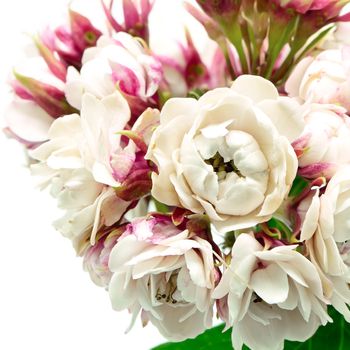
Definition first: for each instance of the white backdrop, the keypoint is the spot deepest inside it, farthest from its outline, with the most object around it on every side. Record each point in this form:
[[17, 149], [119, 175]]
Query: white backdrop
[[47, 302]]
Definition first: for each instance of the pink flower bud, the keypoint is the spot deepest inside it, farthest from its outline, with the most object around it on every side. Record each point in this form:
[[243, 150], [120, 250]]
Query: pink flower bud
[[190, 72], [57, 67], [48, 97], [135, 17], [208, 23], [84, 34], [69, 42]]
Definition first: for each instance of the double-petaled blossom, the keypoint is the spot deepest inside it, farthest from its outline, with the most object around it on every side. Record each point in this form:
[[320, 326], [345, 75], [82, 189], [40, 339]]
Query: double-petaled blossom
[[325, 230], [322, 79], [116, 63], [268, 296], [165, 272], [87, 161], [135, 17], [227, 154], [320, 147]]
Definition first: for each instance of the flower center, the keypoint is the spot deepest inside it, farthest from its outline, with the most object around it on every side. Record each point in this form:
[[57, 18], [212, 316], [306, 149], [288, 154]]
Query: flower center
[[167, 289], [221, 167]]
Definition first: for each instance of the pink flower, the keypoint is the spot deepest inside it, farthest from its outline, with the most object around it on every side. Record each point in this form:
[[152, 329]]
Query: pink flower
[[68, 42], [39, 84], [189, 71], [117, 63]]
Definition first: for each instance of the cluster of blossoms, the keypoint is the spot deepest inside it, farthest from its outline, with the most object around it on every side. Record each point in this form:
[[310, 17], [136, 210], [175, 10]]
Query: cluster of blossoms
[[190, 186]]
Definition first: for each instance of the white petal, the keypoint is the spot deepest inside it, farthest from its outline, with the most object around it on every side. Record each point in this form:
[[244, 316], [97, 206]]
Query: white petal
[[255, 87], [271, 284]]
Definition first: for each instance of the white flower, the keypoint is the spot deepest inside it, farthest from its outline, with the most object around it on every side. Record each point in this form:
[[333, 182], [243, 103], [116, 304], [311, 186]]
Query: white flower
[[226, 154], [167, 273], [321, 145], [78, 163], [322, 79], [272, 295], [325, 229], [120, 60]]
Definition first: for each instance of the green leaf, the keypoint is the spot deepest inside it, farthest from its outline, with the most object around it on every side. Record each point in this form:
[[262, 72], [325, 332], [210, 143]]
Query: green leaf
[[161, 207], [299, 184], [334, 336], [212, 339]]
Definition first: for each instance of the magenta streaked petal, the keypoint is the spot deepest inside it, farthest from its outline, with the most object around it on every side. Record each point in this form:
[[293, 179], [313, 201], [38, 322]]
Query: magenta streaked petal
[[218, 70], [108, 12], [28, 144], [20, 91], [131, 16], [146, 8], [121, 164], [84, 33], [154, 75], [136, 138], [136, 185], [301, 143], [126, 78], [55, 65], [317, 170]]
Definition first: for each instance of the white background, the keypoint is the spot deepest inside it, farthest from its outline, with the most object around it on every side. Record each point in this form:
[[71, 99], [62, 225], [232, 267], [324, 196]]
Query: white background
[[46, 300]]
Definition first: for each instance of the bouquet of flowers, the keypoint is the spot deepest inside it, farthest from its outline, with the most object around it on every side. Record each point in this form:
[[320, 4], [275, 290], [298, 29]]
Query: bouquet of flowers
[[196, 184]]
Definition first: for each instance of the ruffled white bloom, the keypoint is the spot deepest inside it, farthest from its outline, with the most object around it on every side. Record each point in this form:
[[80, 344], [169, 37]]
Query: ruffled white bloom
[[120, 60], [272, 295], [80, 162], [322, 79], [166, 273], [226, 154], [321, 145], [325, 230]]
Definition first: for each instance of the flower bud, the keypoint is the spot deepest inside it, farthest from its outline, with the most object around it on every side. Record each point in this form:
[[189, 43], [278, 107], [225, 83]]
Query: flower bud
[[56, 66], [48, 97], [70, 41], [135, 19]]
